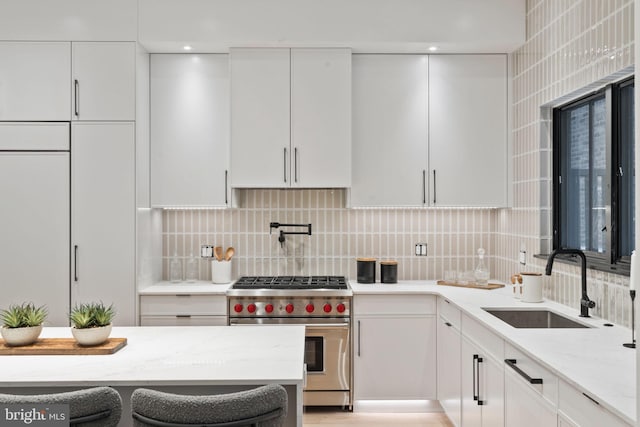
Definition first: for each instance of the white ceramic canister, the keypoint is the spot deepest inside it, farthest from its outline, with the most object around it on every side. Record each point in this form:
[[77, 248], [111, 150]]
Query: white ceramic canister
[[220, 271], [531, 287]]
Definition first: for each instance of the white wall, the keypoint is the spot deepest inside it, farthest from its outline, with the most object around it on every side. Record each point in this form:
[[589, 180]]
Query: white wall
[[365, 25], [74, 20]]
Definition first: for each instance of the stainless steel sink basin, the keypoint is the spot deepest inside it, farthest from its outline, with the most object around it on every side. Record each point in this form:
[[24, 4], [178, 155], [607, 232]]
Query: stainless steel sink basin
[[534, 318]]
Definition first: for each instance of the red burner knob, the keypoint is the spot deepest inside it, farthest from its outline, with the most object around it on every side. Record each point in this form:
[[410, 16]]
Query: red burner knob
[[309, 308], [237, 308], [251, 308], [327, 308], [289, 308], [268, 308], [341, 308]]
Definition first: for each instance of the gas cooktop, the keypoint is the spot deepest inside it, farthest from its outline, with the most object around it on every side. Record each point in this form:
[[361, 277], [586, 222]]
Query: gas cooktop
[[291, 282]]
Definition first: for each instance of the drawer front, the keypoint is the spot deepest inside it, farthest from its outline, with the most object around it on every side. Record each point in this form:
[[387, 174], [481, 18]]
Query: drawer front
[[188, 304], [487, 340], [394, 304], [448, 311], [549, 387], [183, 321], [583, 410]]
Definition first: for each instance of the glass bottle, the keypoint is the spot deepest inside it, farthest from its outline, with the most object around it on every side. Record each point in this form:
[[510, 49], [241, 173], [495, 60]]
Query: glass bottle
[[192, 268], [175, 268], [481, 272]]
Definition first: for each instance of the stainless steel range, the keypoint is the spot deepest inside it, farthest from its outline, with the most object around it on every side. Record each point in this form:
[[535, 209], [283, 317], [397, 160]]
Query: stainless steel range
[[323, 304]]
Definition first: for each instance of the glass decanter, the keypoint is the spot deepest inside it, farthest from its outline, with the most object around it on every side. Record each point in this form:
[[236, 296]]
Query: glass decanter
[[481, 272]]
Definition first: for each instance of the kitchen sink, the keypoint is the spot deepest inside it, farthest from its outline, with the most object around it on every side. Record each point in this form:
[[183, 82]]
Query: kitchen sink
[[534, 318]]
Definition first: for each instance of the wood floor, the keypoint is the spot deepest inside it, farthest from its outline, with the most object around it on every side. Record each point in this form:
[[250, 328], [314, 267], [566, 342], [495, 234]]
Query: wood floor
[[332, 417]]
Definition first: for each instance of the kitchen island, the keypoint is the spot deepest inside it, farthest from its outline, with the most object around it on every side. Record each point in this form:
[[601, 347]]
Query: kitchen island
[[189, 360]]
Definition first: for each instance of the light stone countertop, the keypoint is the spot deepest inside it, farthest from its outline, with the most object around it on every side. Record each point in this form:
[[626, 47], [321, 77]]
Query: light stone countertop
[[591, 359], [200, 287], [186, 355]]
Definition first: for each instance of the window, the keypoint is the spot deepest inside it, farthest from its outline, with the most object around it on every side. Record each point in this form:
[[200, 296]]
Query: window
[[593, 150]]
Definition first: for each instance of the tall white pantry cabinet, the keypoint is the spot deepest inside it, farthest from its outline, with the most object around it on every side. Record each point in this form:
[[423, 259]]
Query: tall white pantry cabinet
[[73, 102]]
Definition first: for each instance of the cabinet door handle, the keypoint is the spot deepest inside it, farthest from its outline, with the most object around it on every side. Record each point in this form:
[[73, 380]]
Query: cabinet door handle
[[358, 338], [447, 323], [295, 164], [512, 363], [76, 96], [285, 164], [477, 360], [75, 263], [424, 186], [434, 186], [226, 186]]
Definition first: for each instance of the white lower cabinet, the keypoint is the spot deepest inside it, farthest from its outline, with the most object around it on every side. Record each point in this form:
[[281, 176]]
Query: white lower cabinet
[[394, 347], [578, 409], [531, 392], [482, 387], [449, 343], [183, 310]]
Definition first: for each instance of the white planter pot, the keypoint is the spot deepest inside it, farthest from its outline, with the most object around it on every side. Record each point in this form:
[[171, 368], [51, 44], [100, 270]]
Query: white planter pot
[[91, 336], [20, 336]]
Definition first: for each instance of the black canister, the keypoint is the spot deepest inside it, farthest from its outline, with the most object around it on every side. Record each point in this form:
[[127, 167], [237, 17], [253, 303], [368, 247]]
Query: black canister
[[389, 271], [366, 270]]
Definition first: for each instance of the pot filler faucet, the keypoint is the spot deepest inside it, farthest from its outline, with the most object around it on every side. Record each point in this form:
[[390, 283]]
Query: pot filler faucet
[[283, 233], [585, 302]]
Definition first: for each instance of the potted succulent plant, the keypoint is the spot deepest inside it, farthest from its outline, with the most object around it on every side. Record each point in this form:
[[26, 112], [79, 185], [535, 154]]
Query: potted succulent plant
[[22, 324], [91, 323]]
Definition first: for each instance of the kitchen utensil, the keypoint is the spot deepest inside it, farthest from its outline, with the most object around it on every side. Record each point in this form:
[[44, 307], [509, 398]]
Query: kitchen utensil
[[217, 252], [229, 253]]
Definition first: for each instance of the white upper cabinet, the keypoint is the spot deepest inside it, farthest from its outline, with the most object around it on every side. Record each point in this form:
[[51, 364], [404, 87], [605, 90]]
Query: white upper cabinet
[[189, 129], [34, 81], [468, 130], [390, 125], [260, 114], [290, 117], [103, 80], [321, 117]]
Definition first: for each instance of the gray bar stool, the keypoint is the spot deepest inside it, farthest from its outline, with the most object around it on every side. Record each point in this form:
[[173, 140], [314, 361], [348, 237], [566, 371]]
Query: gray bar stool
[[92, 407], [264, 406]]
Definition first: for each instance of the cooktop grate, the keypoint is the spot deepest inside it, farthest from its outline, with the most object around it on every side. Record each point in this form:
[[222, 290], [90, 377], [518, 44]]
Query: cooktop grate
[[291, 282]]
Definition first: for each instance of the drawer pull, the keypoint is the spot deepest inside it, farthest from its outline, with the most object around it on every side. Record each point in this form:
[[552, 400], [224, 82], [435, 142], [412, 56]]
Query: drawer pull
[[591, 398], [512, 364], [183, 295], [183, 316]]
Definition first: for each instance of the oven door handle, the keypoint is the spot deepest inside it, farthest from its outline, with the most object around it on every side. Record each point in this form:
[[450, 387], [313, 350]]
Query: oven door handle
[[327, 325]]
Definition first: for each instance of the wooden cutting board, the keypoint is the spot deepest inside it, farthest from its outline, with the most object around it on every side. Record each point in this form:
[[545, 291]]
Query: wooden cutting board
[[62, 346], [471, 285]]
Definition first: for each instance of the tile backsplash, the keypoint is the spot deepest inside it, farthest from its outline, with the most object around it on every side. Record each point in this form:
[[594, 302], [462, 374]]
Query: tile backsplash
[[340, 235], [572, 47]]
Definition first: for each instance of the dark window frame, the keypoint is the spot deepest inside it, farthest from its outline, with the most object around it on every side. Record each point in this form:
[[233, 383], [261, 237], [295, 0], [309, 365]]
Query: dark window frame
[[610, 260]]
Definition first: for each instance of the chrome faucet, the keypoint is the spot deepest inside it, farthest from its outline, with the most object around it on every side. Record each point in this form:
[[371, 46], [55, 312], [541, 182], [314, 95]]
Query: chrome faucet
[[585, 302]]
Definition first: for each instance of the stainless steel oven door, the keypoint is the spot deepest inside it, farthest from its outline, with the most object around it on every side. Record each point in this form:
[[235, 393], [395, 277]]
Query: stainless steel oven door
[[327, 352], [327, 356]]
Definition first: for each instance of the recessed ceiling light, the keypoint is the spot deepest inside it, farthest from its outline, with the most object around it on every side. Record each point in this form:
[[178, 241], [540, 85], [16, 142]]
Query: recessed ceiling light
[[187, 47], [433, 48]]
